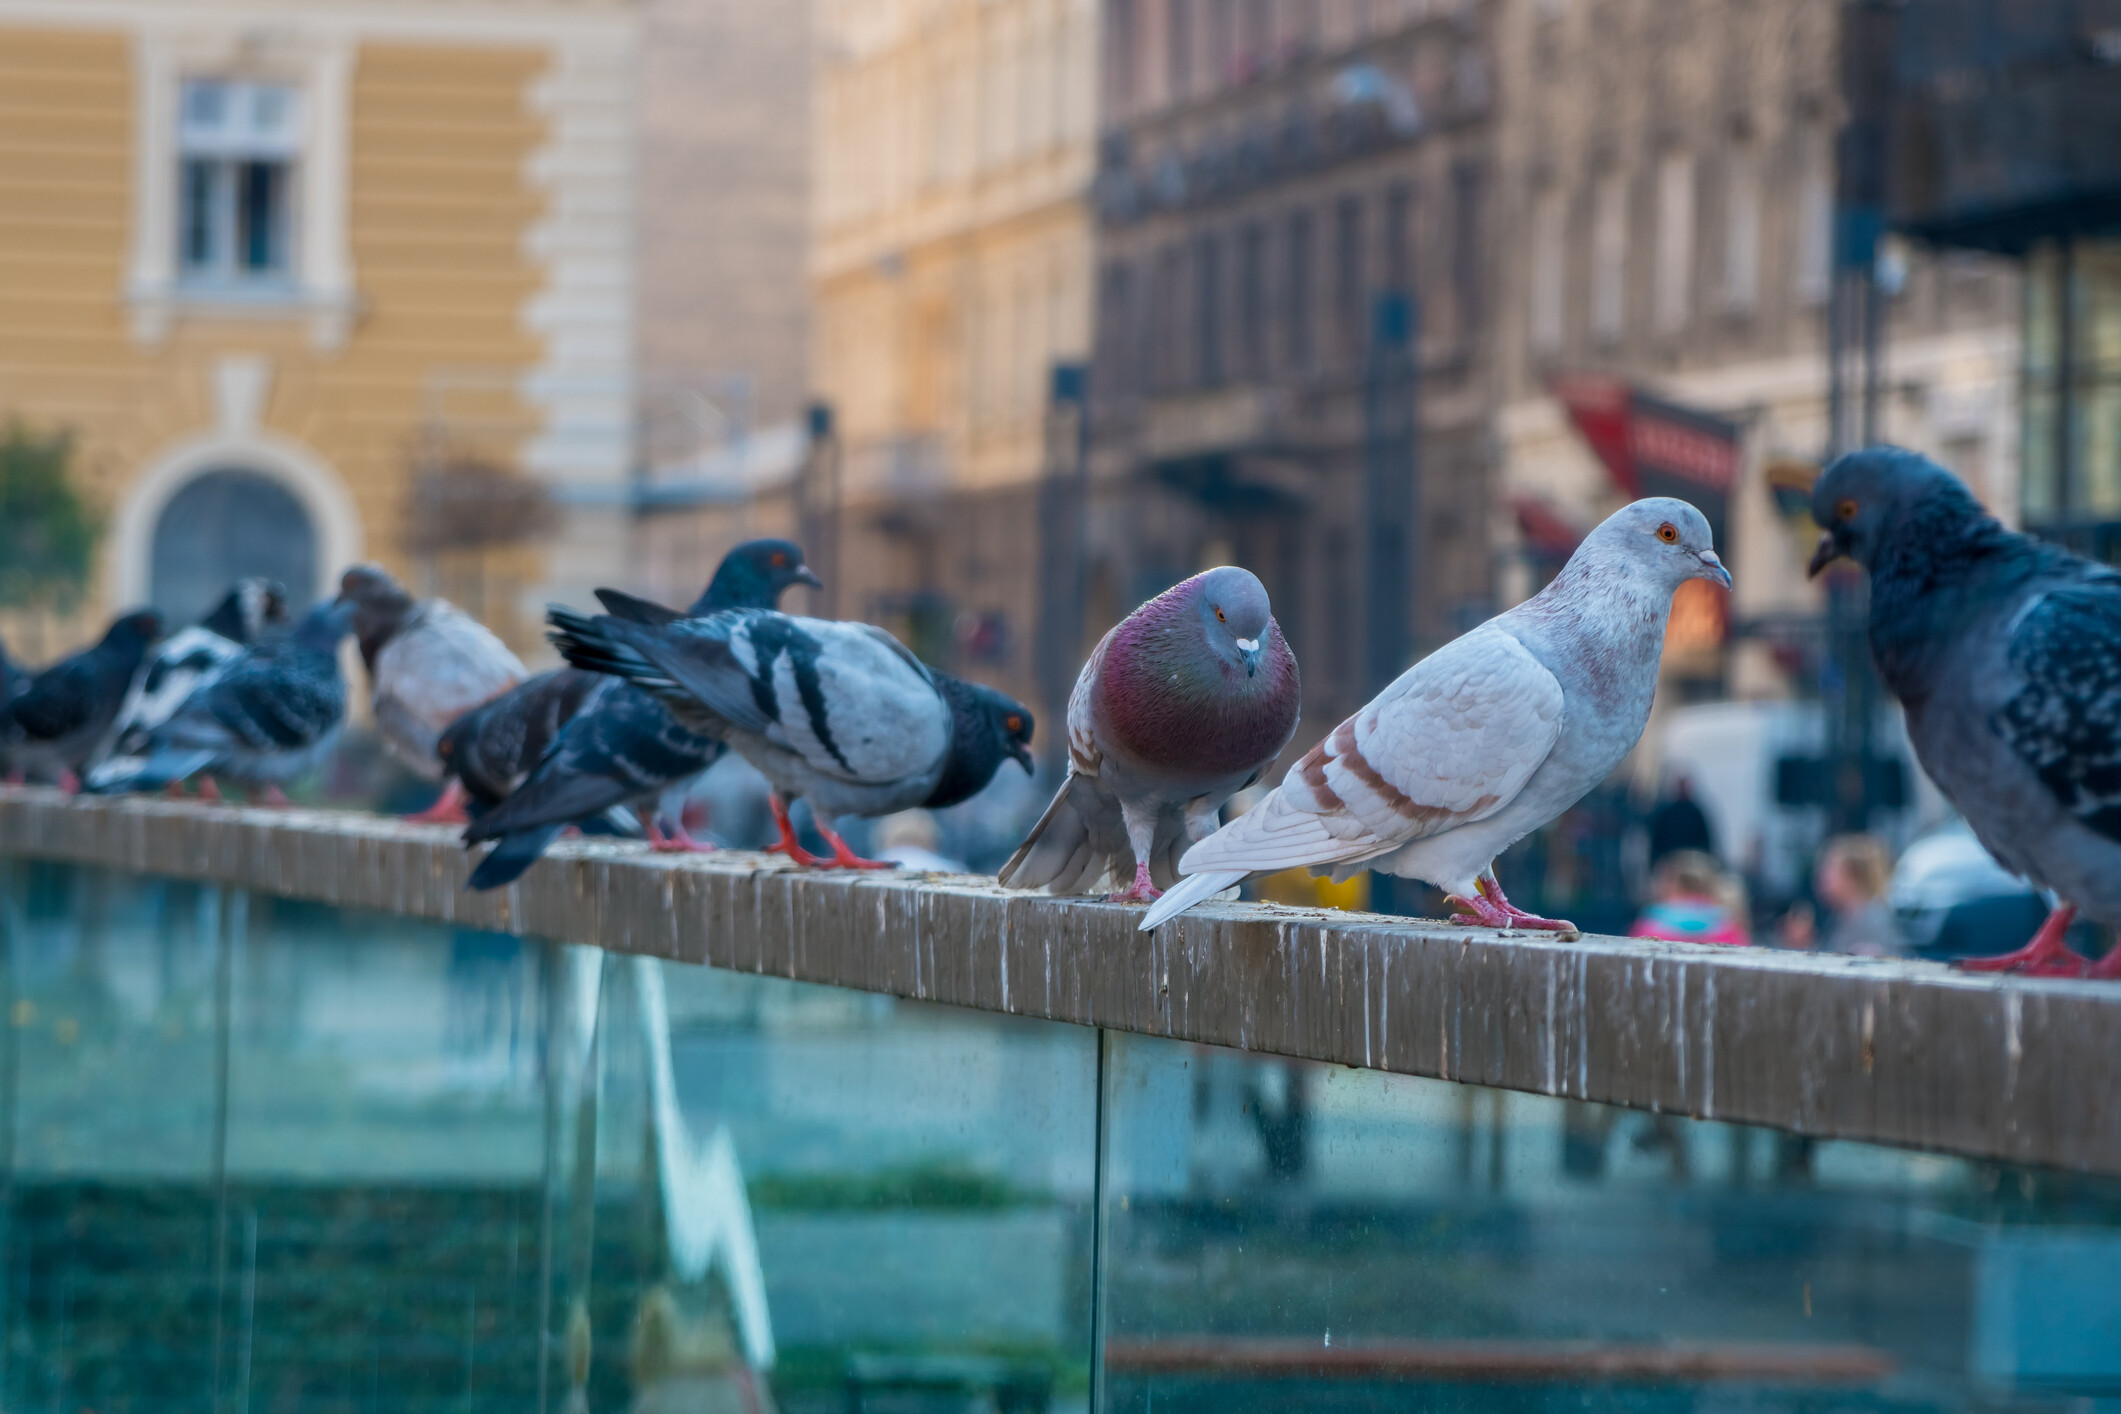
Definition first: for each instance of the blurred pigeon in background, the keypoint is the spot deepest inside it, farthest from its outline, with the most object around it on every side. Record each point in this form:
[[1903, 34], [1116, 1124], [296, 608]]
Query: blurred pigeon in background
[[839, 714], [1486, 739], [624, 747], [271, 716], [195, 656], [1185, 702], [491, 748], [14, 679], [428, 664], [62, 720], [2005, 652]]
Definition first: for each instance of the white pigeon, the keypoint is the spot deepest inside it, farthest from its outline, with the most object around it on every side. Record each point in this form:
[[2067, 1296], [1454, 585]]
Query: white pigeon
[[1483, 741], [428, 663]]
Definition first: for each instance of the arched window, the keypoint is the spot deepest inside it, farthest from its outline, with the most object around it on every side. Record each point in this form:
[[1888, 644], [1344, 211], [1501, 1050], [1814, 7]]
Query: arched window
[[221, 526]]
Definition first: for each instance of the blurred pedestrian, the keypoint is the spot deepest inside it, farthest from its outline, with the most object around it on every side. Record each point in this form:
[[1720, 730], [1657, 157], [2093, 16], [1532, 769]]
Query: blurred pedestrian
[[1693, 901], [1679, 823], [1850, 882]]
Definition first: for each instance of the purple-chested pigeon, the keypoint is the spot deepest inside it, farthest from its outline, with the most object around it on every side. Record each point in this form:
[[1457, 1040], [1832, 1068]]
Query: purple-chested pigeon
[[1185, 702]]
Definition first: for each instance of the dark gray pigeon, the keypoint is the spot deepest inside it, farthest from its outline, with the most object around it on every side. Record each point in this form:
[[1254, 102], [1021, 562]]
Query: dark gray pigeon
[[491, 748], [14, 680], [272, 716], [838, 714], [622, 748], [1183, 704], [192, 657], [2005, 652], [59, 723]]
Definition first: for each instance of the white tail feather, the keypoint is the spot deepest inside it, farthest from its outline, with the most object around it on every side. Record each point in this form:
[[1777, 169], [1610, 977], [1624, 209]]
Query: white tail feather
[[1187, 892]]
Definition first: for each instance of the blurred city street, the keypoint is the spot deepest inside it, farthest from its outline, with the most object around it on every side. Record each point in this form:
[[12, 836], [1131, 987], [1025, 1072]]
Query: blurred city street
[[353, 352]]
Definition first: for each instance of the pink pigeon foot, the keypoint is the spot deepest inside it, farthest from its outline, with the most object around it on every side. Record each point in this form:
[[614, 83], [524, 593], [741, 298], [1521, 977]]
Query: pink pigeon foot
[[788, 844], [1140, 891], [274, 797], [69, 782], [678, 841], [1491, 908], [448, 808], [845, 858], [2045, 956]]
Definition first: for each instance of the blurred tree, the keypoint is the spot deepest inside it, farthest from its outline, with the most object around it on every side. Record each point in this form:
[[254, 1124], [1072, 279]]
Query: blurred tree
[[47, 531]]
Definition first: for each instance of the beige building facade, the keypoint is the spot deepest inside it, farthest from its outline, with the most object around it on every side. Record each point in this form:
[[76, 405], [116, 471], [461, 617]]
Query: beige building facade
[[950, 265], [1669, 170], [274, 264]]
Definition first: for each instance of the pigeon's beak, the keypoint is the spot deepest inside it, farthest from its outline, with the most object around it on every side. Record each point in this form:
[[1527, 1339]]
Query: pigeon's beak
[[1829, 551], [1712, 568], [1022, 753], [1248, 652], [806, 575]]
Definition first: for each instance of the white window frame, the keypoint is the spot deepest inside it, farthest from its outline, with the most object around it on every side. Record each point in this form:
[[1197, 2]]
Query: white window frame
[[1675, 241], [319, 288], [1609, 258], [1549, 273]]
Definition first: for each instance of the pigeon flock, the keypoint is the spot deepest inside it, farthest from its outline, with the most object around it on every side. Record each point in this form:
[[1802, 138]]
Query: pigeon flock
[[2004, 651]]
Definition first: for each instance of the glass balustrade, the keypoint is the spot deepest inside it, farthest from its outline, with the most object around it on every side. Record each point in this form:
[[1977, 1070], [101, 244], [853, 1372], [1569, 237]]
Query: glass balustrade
[[270, 1156]]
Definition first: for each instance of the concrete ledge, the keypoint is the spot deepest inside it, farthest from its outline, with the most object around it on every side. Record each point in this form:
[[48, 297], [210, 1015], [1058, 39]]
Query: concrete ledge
[[1907, 1054]]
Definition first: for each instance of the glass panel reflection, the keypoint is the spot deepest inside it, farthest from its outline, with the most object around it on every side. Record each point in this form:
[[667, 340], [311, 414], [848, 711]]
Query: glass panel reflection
[[1286, 1234], [890, 1202]]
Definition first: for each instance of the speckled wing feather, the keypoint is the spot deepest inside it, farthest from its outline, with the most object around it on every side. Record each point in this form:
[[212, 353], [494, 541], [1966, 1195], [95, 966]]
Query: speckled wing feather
[[1452, 740], [2065, 722], [440, 666]]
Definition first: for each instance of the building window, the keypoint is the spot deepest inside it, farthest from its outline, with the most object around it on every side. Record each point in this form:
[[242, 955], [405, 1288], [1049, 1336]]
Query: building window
[[1399, 240], [1468, 255], [236, 150], [1169, 353], [1549, 272], [1348, 275], [1208, 310], [1815, 218], [1741, 230], [1675, 240], [1609, 258], [1252, 300], [1115, 329], [1178, 46], [1297, 291]]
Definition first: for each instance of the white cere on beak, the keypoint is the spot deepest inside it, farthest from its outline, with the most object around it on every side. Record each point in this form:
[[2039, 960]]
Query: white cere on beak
[[1250, 645]]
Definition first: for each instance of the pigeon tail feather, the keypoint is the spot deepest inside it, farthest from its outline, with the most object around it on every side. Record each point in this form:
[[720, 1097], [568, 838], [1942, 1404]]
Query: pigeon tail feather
[[1188, 891], [515, 853], [143, 773]]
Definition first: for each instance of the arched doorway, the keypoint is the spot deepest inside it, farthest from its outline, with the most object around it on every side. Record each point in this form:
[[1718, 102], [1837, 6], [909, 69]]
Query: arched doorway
[[223, 525]]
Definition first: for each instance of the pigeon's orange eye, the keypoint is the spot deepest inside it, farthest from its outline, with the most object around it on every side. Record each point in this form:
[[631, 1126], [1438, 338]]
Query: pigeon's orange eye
[[1845, 511], [1013, 722], [1219, 615], [779, 559], [1668, 533]]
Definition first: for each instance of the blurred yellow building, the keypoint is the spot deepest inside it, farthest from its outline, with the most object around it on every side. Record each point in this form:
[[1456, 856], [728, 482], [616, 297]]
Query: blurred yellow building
[[313, 281], [954, 149]]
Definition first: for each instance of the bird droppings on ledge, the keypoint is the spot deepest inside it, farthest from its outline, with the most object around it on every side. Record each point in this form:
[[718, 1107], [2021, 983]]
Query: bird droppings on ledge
[[1893, 1052]]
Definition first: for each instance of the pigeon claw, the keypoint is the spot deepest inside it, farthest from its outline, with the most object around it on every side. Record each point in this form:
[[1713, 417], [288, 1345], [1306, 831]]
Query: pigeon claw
[[448, 808], [845, 858], [1140, 891], [2046, 955], [678, 841]]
